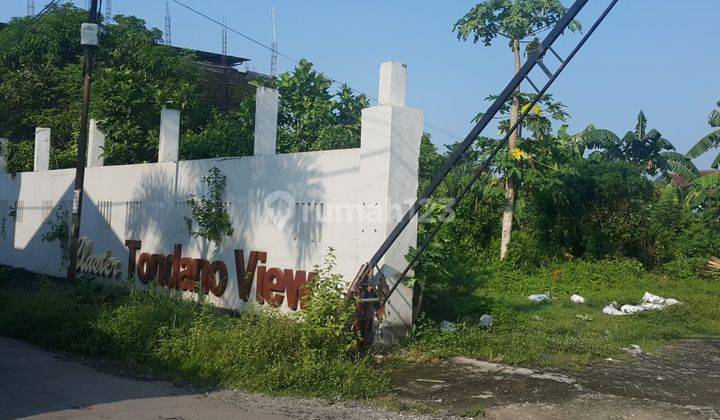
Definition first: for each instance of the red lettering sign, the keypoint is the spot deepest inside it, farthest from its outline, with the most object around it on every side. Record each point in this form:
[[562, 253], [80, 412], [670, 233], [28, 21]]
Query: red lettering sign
[[273, 281], [245, 275], [273, 286], [294, 287]]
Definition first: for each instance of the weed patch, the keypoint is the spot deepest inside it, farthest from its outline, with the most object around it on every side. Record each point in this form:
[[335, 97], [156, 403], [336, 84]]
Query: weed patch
[[559, 332], [179, 340]]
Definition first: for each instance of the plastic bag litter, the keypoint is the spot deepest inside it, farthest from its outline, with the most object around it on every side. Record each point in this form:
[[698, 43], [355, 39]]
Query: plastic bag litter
[[632, 349], [486, 320], [650, 298], [447, 326], [650, 303], [577, 299], [612, 309], [539, 297], [632, 309]]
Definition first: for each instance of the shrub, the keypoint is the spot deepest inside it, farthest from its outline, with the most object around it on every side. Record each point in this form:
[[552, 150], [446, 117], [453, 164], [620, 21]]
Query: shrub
[[58, 230], [209, 211], [592, 209], [327, 315], [155, 331]]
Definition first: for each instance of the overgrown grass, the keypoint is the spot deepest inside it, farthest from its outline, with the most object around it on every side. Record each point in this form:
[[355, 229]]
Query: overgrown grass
[[157, 333], [558, 332]]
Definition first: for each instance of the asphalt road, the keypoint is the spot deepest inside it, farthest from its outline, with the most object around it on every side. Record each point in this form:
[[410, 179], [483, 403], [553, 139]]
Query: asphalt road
[[39, 384], [681, 382]]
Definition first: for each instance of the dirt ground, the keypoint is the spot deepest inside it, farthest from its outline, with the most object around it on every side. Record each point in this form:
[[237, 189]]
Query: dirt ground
[[679, 381]]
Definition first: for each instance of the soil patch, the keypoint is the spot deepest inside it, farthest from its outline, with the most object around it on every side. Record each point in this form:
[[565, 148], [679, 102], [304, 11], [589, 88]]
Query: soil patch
[[680, 380]]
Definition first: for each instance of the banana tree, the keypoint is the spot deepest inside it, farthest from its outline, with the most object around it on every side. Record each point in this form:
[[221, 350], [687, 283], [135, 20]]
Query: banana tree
[[572, 145], [647, 149], [710, 141], [702, 191]]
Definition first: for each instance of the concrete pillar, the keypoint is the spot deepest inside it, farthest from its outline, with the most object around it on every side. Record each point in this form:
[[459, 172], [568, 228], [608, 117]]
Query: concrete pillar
[[41, 161], [389, 153], [169, 135], [393, 79], [3, 154], [266, 117], [96, 145]]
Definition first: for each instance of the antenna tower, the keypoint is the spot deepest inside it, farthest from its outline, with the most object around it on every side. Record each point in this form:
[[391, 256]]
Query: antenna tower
[[224, 41], [108, 9], [168, 33], [31, 7], [225, 90], [273, 57]]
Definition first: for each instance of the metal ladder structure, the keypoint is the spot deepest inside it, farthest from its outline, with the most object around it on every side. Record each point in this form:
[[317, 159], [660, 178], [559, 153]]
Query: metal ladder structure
[[365, 286]]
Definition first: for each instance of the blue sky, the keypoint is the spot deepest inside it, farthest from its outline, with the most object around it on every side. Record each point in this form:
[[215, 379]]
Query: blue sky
[[660, 56]]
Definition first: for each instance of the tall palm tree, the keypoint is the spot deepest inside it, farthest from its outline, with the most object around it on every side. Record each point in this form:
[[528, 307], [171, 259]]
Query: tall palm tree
[[711, 141], [648, 150]]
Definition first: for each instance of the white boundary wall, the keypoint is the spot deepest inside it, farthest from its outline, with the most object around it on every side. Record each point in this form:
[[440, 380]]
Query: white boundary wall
[[293, 206]]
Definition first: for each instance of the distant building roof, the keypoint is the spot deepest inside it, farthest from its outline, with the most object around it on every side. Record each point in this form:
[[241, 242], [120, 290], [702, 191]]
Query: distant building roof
[[677, 180], [214, 58]]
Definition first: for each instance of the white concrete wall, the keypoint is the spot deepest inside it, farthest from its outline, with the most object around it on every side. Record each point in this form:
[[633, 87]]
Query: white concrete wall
[[293, 206], [158, 192], [3, 153], [266, 116], [41, 161], [169, 144], [96, 145]]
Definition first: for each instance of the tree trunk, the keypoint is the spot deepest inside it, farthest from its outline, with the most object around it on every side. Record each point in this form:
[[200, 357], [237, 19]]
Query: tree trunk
[[509, 185]]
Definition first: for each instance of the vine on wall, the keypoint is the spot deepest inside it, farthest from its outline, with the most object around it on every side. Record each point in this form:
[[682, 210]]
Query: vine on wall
[[210, 219], [58, 230]]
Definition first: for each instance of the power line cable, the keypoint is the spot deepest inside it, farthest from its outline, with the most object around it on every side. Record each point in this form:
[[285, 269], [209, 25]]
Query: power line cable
[[45, 9], [296, 61]]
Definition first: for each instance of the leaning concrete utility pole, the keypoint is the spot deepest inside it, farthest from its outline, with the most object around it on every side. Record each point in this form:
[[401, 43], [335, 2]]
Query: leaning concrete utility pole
[[89, 40]]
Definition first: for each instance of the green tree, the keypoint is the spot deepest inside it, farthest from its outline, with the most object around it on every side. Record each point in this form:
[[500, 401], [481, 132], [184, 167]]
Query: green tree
[[710, 141], [647, 150], [701, 191], [591, 208], [311, 117], [41, 72], [517, 21], [136, 75], [38, 62]]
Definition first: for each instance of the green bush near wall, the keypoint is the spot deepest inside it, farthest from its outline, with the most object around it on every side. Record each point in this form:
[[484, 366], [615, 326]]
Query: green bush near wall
[[155, 332]]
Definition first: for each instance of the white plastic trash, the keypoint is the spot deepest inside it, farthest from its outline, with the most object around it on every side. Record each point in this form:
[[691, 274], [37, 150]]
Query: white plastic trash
[[612, 310], [631, 309], [447, 326], [486, 320], [577, 299], [650, 303], [650, 298], [539, 297]]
